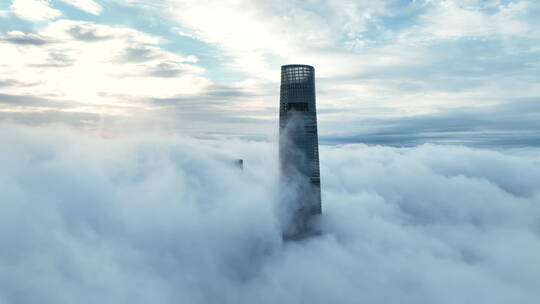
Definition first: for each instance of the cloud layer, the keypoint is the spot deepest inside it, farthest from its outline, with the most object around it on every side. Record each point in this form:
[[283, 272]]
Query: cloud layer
[[163, 219]]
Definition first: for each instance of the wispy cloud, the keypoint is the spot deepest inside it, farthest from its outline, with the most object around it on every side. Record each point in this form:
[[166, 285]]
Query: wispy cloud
[[374, 61], [89, 6], [106, 64]]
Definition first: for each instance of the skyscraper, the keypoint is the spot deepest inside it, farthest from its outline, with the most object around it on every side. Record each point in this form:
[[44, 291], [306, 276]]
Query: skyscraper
[[299, 148]]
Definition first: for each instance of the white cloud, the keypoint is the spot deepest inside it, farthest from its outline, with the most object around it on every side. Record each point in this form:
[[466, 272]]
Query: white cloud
[[21, 38], [377, 59], [88, 6], [405, 57], [157, 218], [251, 32], [96, 64], [257, 36], [34, 10], [456, 19]]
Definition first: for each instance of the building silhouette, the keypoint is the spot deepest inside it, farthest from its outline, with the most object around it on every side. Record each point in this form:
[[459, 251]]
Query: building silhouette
[[299, 149]]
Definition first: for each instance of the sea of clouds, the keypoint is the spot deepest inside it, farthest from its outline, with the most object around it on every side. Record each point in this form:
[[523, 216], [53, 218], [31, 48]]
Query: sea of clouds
[[160, 218]]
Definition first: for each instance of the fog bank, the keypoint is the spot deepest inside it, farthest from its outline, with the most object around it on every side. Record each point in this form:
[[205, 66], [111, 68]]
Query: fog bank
[[158, 218]]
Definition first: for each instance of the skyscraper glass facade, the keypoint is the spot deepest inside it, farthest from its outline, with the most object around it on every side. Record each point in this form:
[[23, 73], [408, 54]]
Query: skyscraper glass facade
[[298, 144]]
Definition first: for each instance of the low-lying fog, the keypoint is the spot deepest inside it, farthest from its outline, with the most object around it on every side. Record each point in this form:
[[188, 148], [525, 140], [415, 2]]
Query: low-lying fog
[[162, 219]]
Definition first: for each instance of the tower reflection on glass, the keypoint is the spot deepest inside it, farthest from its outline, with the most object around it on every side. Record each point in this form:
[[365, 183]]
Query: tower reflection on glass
[[299, 150]]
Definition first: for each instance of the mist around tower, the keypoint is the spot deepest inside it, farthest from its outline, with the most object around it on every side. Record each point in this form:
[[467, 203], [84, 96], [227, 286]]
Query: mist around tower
[[173, 221], [299, 198]]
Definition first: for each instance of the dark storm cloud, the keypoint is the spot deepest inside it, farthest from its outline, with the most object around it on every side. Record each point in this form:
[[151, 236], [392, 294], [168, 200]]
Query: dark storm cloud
[[162, 219], [514, 123]]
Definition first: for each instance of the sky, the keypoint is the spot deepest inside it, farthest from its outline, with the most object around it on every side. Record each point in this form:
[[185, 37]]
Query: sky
[[388, 72], [121, 123]]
